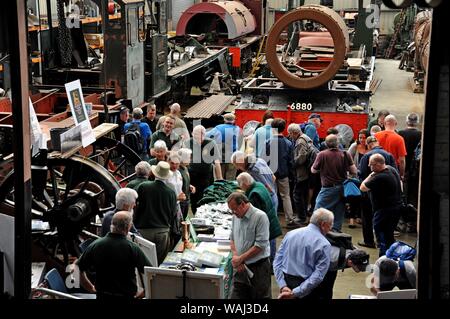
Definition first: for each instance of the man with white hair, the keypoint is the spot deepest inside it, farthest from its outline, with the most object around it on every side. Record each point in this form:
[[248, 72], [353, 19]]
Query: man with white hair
[[205, 163], [114, 259], [160, 152], [303, 258], [259, 170], [180, 126], [229, 139], [302, 147], [142, 170], [125, 201], [393, 143], [259, 197], [166, 134]]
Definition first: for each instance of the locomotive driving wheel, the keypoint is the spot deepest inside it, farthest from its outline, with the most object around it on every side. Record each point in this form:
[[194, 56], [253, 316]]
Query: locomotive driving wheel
[[68, 194]]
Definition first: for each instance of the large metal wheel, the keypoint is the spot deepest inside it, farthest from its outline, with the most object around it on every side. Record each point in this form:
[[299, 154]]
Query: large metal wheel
[[68, 194], [328, 19], [116, 157]]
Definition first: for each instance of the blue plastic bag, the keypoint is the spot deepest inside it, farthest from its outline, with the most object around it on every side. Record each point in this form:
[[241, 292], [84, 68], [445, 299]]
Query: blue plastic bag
[[351, 188]]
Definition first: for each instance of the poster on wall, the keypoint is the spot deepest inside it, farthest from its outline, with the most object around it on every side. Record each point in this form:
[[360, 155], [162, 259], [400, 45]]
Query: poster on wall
[[79, 111]]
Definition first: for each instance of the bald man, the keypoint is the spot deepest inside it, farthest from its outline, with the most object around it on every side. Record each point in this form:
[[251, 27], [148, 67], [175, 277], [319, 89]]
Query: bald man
[[384, 187], [393, 143]]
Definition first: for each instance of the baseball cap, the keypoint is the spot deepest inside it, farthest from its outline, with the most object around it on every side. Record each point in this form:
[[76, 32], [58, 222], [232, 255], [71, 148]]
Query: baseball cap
[[315, 116], [123, 108], [359, 258]]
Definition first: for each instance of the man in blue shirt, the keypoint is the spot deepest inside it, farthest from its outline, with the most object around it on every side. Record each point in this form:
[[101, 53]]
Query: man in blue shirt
[[303, 258], [228, 138], [310, 129], [144, 130], [260, 138]]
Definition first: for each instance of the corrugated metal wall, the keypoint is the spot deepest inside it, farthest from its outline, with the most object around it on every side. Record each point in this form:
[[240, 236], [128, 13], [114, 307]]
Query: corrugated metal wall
[[278, 4], [178, 7]]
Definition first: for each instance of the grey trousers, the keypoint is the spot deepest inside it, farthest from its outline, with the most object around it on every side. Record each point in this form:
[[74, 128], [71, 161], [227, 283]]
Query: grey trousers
[[161, 238], [285, 194]]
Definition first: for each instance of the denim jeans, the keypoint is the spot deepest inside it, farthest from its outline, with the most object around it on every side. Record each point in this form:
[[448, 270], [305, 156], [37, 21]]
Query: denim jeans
[[384, 222], [273, 249], [332, 199]]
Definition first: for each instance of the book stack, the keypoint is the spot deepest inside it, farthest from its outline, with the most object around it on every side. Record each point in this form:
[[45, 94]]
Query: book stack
[[191, 256], [210, 259]]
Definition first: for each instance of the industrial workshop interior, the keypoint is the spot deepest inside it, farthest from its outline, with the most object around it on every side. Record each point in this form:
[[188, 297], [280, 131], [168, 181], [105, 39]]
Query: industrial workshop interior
[[233, 150]]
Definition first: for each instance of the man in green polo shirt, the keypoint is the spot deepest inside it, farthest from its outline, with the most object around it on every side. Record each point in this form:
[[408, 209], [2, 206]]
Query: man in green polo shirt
[[114, 259], [142, 170], [166, 134]]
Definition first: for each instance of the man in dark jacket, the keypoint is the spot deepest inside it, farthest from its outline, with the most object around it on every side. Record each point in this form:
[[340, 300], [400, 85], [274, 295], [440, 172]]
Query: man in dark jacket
[[114, 260], [156, 210], [279, 151], [259, 197]]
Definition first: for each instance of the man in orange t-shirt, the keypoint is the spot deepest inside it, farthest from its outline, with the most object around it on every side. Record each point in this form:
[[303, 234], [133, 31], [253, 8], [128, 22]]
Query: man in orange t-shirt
[[393, 143]]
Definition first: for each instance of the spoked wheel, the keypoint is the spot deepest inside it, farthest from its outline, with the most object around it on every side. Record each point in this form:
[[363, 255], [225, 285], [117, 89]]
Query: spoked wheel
[[116, 157], [68, 194]]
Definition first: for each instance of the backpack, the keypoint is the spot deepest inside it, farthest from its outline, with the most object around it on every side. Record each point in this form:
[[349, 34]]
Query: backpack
[[303, 126], [343, 242], [311, 155], [401, 251], [133, 138]]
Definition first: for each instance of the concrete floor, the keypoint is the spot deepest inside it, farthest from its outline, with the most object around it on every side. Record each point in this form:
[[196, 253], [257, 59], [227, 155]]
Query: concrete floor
[[394, 94], [347, 282]]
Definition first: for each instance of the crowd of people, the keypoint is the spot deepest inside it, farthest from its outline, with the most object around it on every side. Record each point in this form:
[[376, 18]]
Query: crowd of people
[[295, 174]]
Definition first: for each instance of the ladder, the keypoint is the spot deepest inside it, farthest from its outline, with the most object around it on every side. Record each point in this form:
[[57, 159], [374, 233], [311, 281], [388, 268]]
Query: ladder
[[259, 56], [398, 27]]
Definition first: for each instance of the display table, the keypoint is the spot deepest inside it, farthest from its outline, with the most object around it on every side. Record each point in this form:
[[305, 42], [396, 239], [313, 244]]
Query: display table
[[201, 269]]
